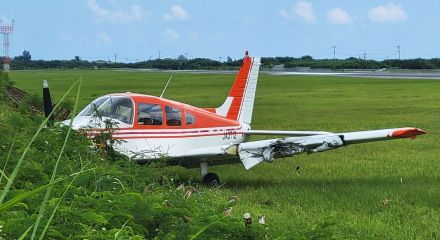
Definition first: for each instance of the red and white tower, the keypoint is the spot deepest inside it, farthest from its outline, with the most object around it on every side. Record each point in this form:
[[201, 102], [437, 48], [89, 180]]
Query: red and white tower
[[5, 30]]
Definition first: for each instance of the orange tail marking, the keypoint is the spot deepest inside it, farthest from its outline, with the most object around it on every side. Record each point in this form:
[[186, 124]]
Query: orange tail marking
[[237, 90]]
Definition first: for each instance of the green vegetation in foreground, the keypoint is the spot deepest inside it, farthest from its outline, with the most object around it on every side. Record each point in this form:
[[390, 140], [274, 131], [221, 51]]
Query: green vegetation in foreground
[[93, 196], [382, 190]]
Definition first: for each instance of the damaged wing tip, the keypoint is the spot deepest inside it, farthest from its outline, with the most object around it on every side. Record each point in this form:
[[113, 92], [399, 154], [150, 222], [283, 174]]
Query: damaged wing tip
[[407, 133]]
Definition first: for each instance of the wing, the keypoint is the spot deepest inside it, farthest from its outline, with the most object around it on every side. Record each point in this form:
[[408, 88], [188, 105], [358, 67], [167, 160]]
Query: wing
[[285, 133], [253, 153]]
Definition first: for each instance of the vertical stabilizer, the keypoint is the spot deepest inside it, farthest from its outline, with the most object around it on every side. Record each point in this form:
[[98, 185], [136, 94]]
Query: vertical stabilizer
[[240, 102]]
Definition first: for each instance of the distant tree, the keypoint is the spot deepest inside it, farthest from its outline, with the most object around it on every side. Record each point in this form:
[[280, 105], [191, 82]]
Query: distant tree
[[352, 59], [229, 60], [181, 57], [77, 58], [306, 57], [26, 56]]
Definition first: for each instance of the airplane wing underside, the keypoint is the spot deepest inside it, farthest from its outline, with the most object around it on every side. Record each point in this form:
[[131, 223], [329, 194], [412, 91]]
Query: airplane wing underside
[[252, 153]]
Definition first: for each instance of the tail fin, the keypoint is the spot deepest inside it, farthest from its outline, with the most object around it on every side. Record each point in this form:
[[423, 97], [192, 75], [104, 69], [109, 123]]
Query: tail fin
[[240, 102]]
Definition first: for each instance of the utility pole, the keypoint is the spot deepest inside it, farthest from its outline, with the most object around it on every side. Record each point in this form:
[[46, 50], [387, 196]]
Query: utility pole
[[398, 50], [334, 52], [115, 57], [365, 56], [220, 59], [159, 55], [186, 55]]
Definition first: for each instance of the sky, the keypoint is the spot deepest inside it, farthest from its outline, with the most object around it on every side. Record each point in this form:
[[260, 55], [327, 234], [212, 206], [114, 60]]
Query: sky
[[135, 30]]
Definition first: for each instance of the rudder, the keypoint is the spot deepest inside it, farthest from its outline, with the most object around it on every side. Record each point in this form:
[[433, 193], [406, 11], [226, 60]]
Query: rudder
[[240, 102]]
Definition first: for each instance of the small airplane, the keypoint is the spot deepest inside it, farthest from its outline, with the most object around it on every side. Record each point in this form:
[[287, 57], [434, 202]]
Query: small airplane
[[154, 127]]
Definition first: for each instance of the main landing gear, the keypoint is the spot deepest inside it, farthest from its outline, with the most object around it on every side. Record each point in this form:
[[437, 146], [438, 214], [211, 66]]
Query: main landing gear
[[210, 179]]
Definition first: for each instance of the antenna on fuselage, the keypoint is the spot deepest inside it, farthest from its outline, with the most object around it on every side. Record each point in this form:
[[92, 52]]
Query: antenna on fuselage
[[165, 88]]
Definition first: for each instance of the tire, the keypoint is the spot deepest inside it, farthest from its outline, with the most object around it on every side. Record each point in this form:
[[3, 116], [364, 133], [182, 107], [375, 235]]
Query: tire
[[211, 179]]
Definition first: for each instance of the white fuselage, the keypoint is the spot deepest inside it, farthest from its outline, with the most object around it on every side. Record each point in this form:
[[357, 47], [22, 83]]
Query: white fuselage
[[175, 143]]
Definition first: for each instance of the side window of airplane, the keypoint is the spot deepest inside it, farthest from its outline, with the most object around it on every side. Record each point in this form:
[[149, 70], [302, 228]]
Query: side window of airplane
[[173, 116], [149, 114], [189, 118]]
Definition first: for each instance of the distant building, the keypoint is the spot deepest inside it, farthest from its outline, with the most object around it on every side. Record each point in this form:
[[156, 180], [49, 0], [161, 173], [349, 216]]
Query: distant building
[[302, 69], [279, 67]]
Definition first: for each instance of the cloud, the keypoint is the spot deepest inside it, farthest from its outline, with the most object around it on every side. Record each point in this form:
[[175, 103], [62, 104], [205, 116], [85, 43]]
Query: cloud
[[339, 16], [171, 34], [387, 13], [177, 12], [302, 10], [133, 14], [103, 38]]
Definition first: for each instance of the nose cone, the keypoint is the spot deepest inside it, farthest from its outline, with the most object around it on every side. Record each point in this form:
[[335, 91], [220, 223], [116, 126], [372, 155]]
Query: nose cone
[[407, 133]]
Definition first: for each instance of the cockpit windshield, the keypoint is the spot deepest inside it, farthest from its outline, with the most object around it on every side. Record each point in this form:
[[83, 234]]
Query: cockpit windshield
[[114, 107]]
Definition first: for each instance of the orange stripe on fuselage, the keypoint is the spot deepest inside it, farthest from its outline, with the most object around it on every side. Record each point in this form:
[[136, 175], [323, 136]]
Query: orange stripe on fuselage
[[237, 90]]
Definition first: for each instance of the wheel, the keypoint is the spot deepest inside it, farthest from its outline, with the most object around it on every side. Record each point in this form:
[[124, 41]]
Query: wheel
[[211, 179], [141, 161]]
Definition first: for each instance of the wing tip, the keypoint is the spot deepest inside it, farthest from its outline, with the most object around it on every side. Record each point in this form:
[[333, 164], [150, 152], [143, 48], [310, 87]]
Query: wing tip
[[407, 133]]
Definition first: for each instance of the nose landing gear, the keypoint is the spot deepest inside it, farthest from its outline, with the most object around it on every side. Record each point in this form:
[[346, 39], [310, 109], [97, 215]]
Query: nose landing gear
[[209, 179]]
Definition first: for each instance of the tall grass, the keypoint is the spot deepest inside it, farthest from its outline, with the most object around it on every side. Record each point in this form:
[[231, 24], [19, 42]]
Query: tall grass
[[54, 211], [16, 200], [20, 197], [48, 187], [203, 229], [54, 172], [20, 161], [3, 174]]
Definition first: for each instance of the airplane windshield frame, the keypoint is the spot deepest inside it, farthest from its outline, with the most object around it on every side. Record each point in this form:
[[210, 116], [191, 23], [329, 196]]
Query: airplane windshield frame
[[119, 108]]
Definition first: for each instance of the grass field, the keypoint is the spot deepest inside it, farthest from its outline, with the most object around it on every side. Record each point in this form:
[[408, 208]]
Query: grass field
[[382, 190]]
